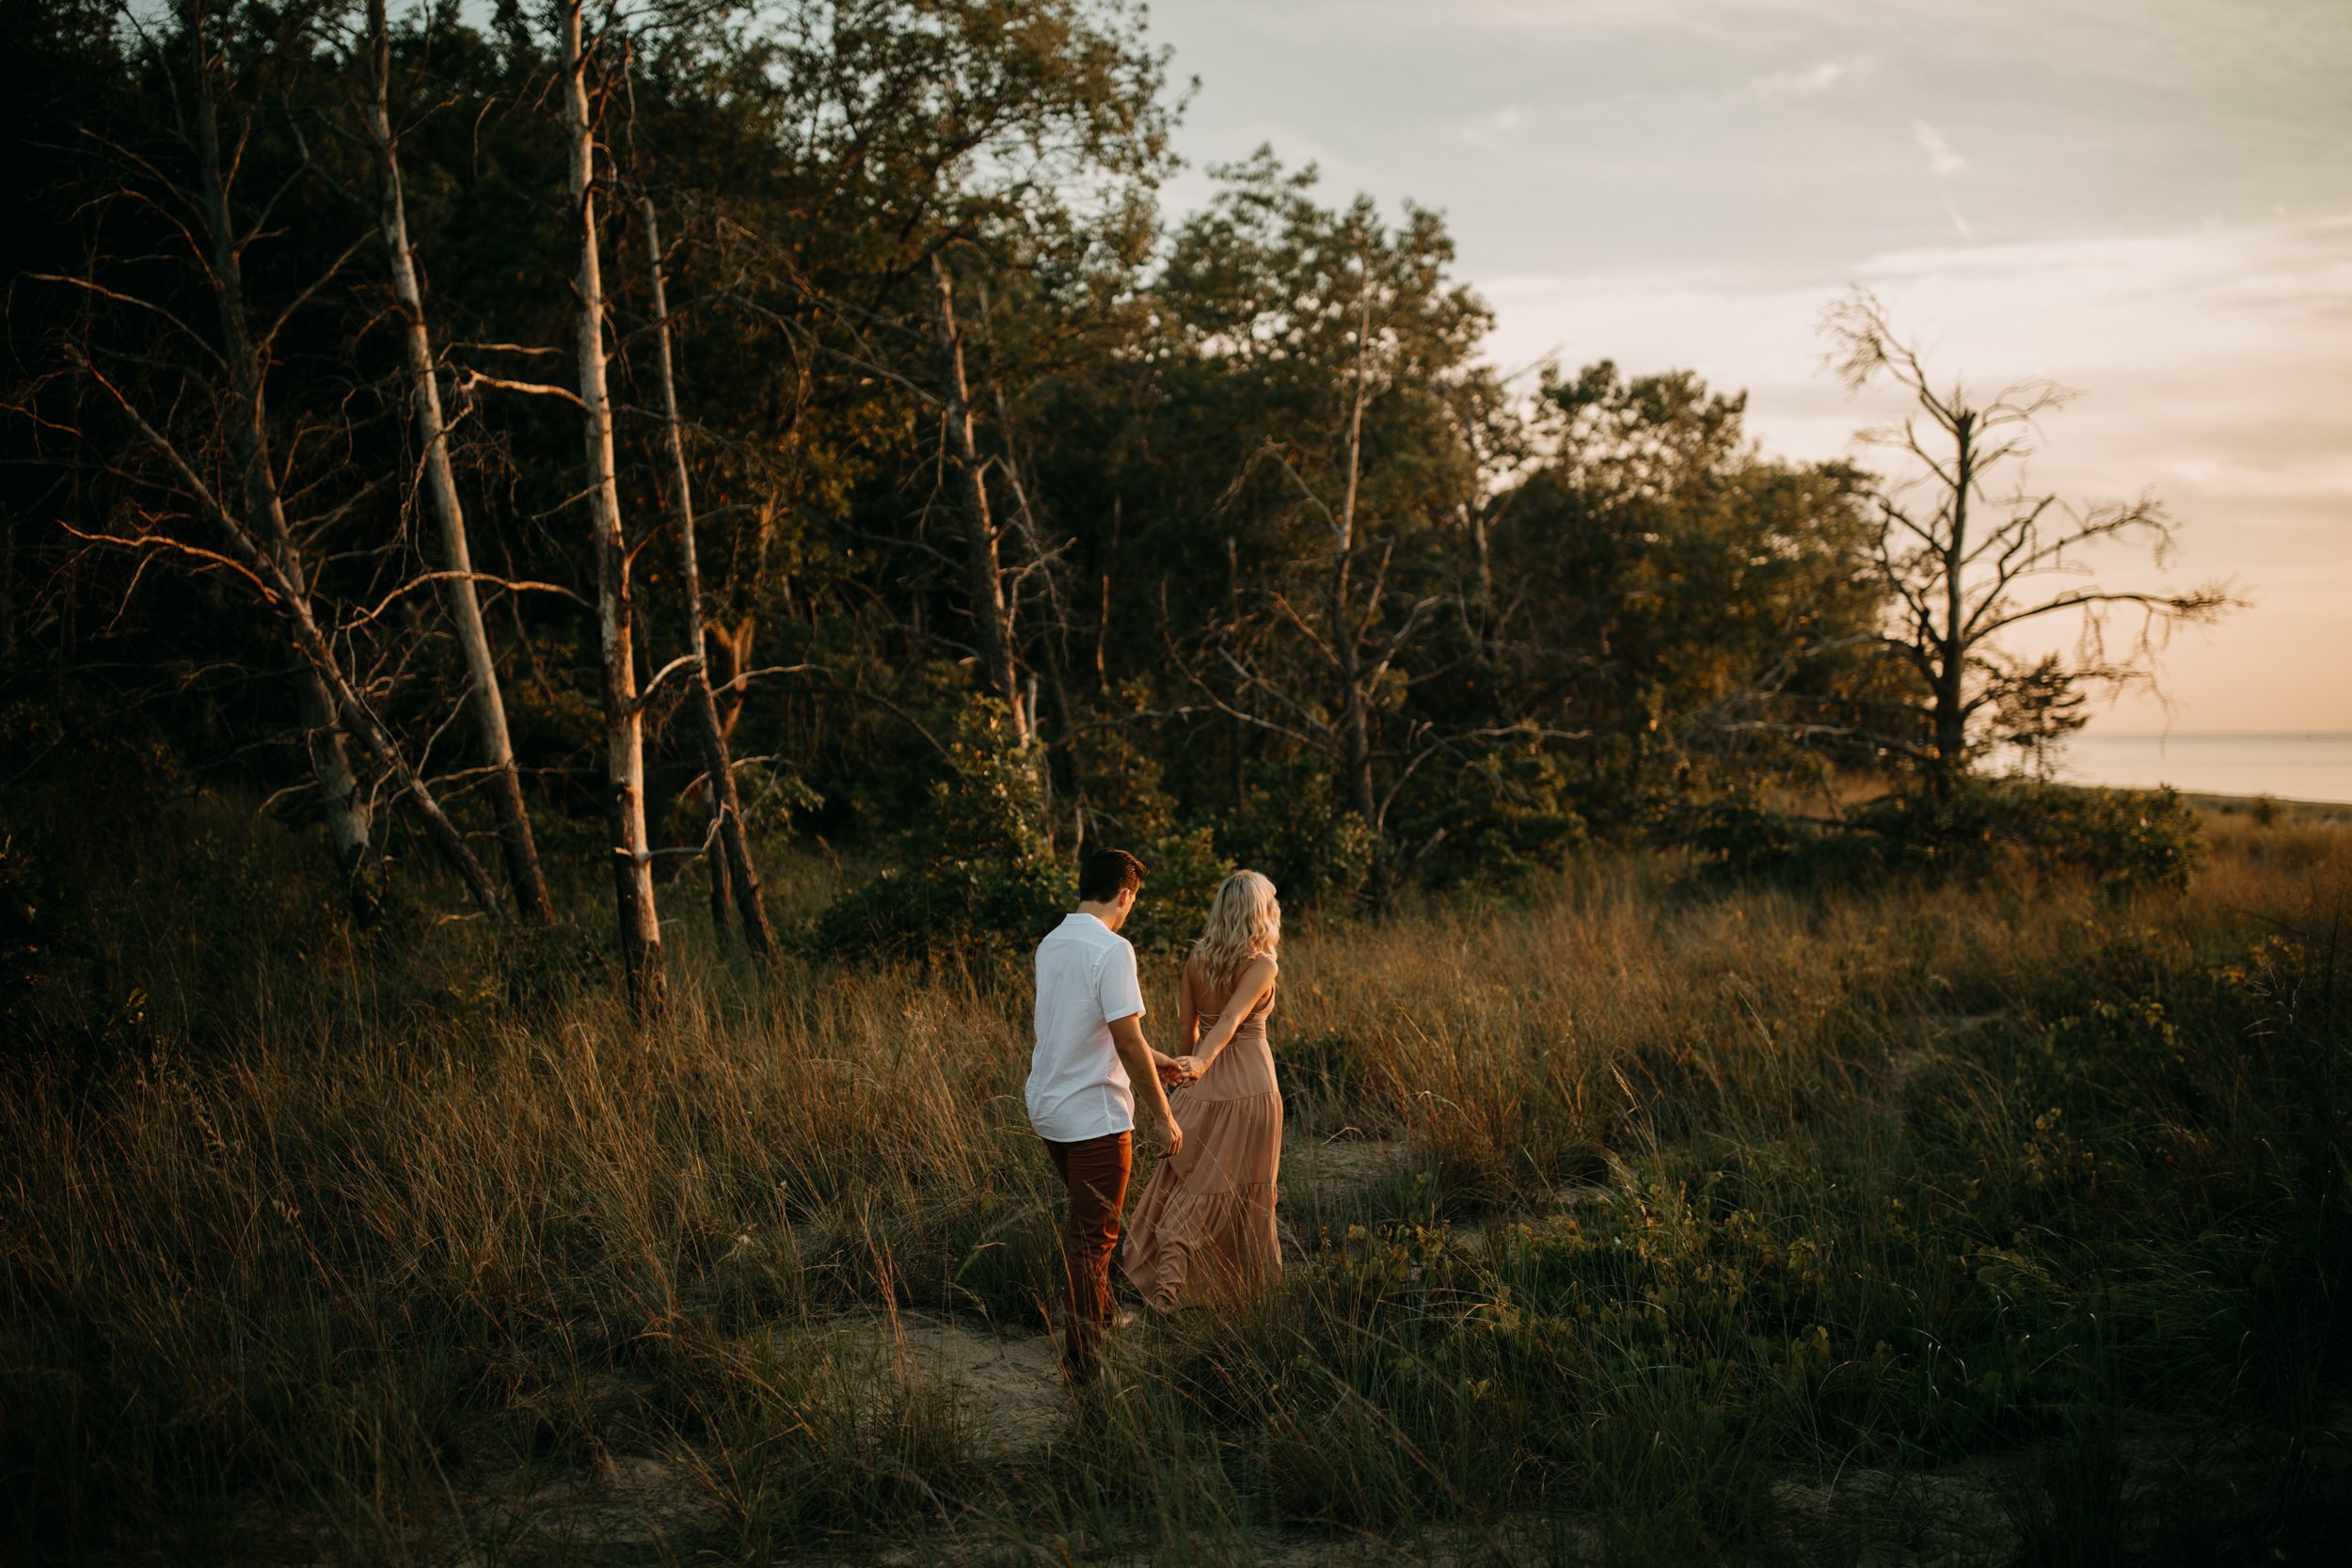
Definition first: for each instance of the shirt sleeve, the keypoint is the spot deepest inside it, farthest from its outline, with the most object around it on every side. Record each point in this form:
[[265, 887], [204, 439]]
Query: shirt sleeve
[[1120, 991]]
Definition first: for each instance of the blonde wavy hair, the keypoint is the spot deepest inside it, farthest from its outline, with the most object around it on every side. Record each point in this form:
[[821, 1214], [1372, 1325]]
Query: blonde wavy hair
[[1245, 922]]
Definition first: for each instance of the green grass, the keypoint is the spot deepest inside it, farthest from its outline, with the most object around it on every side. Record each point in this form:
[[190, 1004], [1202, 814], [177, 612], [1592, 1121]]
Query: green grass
[[1711, 1193]]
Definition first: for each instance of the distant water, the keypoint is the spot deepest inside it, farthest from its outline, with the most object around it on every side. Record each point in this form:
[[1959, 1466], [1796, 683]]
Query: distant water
[[2301, 767]]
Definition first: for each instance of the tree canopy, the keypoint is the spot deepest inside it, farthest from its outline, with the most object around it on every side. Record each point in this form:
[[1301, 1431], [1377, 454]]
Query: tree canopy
[[1217, 524]]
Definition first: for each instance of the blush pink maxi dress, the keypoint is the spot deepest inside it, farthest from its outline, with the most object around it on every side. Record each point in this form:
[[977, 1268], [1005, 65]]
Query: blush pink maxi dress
[[1203, 1229]]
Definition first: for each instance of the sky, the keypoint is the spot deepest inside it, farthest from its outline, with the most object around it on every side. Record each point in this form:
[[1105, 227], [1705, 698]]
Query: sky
[[2148, 202]]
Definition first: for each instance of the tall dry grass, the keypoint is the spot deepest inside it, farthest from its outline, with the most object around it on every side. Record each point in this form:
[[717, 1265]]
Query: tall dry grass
[[331, 1231]]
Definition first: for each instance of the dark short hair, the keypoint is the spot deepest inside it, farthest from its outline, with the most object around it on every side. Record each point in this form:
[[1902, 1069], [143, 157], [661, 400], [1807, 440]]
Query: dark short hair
[[1105, 873]]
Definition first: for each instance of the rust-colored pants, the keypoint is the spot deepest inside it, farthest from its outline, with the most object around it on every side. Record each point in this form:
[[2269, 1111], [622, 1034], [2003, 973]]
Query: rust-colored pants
[[1095, 1171]]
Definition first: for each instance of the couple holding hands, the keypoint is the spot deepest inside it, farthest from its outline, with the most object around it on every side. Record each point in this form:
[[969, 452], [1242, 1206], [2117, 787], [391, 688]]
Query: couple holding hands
[[1204, 1228]]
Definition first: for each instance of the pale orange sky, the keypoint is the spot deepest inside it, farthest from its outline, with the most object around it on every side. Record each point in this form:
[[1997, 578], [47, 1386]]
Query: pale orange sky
[[2148, 200]]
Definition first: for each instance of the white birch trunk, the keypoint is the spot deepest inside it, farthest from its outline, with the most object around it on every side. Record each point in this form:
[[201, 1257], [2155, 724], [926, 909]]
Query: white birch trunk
[[484, 699], [733, 851], [624, 721], [331, 711], [984, 576]]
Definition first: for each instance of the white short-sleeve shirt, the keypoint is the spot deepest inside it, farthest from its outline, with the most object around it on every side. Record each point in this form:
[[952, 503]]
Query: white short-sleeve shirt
[[1086, 978]]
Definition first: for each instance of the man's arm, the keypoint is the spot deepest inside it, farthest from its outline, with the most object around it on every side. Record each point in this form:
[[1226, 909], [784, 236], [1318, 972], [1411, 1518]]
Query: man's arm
[[1135, 1052]]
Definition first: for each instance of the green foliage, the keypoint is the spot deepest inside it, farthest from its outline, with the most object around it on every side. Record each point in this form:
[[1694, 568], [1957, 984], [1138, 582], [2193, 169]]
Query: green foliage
[[1127, 807], [1510, 816], [1183, 870], [2121, 839], [1296, 832], [972, 875], [1679, 570]]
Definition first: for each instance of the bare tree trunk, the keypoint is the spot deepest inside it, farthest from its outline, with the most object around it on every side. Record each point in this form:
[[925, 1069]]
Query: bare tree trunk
[[483, 696], [332, 708], [624, 718], [349, 819], [1233, 738], [1103, 603], [1474, 515], [1053, 643], [733, 851], [1058, 629], [721, 888], [986, 583], [1346, 635], [1923, 557], [350, 826], [1951, 713]]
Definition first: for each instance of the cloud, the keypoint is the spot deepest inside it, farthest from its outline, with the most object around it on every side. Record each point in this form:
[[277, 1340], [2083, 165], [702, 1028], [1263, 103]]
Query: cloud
[[1809, 82], [1940, 158], [1946, 162], [1495, 131], [1519, 21]]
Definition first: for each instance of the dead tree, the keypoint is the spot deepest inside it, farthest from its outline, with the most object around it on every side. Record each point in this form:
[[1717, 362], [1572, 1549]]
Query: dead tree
[[623, 710], [1962, 563], [261, 548], [730, 858], [260, 553], [1348, 645], [984, 575], [350, 828], [1344, 645], [1358, 639], [484, 697]]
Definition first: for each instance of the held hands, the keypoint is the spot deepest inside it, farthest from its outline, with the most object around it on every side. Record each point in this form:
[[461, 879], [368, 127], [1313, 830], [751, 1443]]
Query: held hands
[[1176, 1071]]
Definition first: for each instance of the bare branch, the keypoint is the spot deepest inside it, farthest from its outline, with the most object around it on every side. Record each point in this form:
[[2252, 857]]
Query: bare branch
[[153, 541], [134, 302], [468, 379], [423, 579]]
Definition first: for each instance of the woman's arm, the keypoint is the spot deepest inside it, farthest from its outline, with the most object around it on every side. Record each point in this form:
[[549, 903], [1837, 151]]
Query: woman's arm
[[1248, 991]]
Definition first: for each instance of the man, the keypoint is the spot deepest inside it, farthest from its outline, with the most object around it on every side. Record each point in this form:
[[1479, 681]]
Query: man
[[1091, 1054]]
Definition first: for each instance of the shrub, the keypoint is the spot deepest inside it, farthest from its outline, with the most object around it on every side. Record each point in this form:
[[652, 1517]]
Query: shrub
[[1505, 815], [974, 874], [1181, 876], [1127, 805], [2123, 839], [1296, 832]]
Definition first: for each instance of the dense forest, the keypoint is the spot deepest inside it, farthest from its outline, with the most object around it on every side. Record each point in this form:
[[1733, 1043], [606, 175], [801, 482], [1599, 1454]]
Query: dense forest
[[517, 440]]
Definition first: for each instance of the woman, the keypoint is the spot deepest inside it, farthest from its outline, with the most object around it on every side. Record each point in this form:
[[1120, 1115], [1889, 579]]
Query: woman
[[1204, 1227]]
